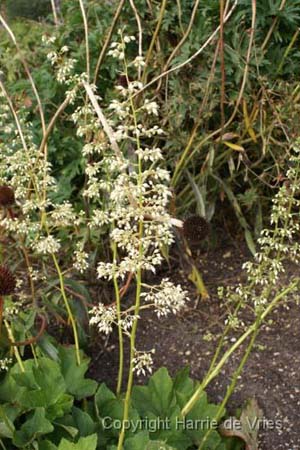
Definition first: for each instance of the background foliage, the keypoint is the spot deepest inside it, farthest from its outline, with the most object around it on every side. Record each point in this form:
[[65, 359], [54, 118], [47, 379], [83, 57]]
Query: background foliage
[[239, 170]]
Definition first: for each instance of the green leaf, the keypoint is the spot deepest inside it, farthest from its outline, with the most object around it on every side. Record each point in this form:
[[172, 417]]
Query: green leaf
[[7, 417], [69, 429], [141, 441], [83, 422], [183, 386], [138, 442], [48, 349], [161, 388], [250, 242], [45, 385], [9, 388], [47, 445], [158, 445], [85, 443], [141, 399], [62, 406], [200, 420], [36, 426], [157, 404], [76, 383], [103, 395], [239, 214], [200, 198]]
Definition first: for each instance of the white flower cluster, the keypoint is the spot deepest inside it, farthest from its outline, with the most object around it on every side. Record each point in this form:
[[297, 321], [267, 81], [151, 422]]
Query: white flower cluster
[[117, 49], [130, 189], [143, 362], [12, 310], [63, 215], [138, 62], [29, 175], [48, 40], [46, 245], [63, 64], [105, 317], [86, 122], [5, 363], [81, 258], [234, 322], [277, 243], [167, 298]]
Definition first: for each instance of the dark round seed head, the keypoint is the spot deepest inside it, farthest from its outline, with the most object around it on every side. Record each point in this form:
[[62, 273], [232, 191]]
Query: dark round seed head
[[7, 281], [7, 196], [123, 80], [195, 229]]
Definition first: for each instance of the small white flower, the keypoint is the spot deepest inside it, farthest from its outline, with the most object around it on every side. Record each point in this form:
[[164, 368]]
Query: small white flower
[[48, 39], [138, 62], [5, 363], [127, 322], [128, 39], [46, 245], [52, 56], [63, 215], [151, 107], [103, 317], [143, 362], [81, 259], [167, 298]]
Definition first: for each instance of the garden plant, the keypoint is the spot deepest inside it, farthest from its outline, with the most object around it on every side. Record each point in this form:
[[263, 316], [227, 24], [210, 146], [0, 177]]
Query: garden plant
[[130, 132]]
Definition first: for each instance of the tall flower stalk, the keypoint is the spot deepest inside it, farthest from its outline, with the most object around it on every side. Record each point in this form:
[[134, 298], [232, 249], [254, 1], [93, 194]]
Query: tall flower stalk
[[26, 170], [260, 292], [136, 197]]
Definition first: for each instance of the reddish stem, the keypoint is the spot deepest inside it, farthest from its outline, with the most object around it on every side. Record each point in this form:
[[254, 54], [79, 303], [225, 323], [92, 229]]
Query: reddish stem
[[34, 338], [11, 213], [1, 312]]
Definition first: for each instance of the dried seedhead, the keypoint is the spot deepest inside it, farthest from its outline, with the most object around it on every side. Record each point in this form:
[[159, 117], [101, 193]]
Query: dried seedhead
[[7, 281], [7, 196], [195, 229]]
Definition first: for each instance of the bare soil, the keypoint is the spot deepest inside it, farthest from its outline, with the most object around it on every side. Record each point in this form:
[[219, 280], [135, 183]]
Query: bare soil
[[271, 374]]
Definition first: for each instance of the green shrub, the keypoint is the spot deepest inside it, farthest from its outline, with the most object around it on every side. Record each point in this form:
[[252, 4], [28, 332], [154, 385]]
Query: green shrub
[[30, 9]]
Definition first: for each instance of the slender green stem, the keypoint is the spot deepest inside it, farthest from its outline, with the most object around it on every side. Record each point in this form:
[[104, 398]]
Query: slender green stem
[[186, 156], [86, 36], [272, 28], [154, 37], [132, 353], [287, 51], [190, 404], [191, 58], [120, 332], [68, 308], [16, 350], [34, 355], [230, 388], [55, 17], [2, 445], [138, 283], [184, 37], [108, 38], [214, 367]]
